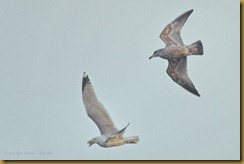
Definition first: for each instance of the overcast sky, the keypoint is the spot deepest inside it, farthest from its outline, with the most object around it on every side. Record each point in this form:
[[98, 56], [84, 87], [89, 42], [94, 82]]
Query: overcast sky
[[46, 45]]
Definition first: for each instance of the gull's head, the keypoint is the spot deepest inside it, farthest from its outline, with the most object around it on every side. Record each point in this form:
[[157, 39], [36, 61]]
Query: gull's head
[[156, 53], [92, 141]]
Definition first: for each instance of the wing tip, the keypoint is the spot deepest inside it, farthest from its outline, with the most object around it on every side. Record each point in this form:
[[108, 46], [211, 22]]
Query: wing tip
[[188, 13], [191, 10], [194, 91], [197, 94], [84, 74], [85, 81]]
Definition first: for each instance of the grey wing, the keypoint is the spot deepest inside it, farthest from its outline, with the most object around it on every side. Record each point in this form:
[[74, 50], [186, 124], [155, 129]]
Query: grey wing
[[95, 109], [171, 33], [177, 70]]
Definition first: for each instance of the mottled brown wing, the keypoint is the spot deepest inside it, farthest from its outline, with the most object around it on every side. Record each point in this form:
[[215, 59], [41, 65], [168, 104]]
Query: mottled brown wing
[[95, 109], [177, 70], [171, 33]]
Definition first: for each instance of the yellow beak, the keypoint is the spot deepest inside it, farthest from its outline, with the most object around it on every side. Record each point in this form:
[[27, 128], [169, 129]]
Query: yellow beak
[[90, 142]]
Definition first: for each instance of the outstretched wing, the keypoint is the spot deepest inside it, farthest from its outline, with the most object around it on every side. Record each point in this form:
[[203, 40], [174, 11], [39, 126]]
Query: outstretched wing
[[177, 70], [171, 33], [95, 109]]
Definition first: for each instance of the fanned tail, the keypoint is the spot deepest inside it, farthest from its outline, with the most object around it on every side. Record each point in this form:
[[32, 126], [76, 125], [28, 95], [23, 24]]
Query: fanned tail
[[196, 48]]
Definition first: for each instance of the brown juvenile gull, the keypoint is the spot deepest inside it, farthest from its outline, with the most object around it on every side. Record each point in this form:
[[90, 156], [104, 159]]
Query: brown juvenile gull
[[176, 52], [110, 135]]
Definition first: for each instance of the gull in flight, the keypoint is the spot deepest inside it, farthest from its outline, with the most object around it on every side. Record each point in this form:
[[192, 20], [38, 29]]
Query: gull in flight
[[110, 135], [176, 52]]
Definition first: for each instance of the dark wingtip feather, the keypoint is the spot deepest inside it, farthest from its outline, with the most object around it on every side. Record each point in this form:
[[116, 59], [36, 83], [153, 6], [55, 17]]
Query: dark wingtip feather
[[85, 81], [191, 89], [194, 91], [188, 13], [181, 19], [197, 94]]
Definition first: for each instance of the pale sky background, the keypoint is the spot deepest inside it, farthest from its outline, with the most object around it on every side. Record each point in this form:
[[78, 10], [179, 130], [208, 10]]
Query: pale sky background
[[46, 45]]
